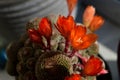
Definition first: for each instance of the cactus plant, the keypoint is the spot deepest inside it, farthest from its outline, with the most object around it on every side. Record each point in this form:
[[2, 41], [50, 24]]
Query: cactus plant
[[56, 48]]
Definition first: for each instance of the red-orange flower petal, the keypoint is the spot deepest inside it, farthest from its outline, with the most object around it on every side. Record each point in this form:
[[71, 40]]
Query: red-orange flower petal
[[88, 40], [73, 77], [88, 15], [71, 5], [65, 25], [45, 28], [96, 23], [34, 35], [80, 40], [93, 66]]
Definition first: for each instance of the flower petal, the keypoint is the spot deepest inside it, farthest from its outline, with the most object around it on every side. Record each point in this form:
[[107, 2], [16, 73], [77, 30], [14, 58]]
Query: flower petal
[[71, 5], [65, 25], [103, 71], [34, 35], [88, 15], [79, 39], [93, 66], [88, 40], [96, 23], [73, 77], [45, 28], [76, 35]]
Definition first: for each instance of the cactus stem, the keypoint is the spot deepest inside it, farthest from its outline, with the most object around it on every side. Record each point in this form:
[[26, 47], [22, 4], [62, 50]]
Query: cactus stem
[[84, 60], [66, 46], [73, 53]]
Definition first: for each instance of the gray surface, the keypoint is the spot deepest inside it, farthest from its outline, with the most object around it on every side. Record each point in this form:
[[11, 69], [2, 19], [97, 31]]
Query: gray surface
[[5, 76]]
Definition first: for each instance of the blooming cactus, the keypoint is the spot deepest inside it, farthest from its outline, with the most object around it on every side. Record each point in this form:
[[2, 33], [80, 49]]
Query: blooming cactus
[[58, 50]]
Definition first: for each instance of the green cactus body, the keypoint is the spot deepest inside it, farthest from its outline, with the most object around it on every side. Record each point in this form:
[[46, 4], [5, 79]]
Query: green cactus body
[[53, 64], [35, 63], [50, 58]]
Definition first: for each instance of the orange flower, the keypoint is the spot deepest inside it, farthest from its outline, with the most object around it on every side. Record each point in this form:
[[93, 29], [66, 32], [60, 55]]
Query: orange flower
[[45, 28], [73, 77], [71, 5], [88, 15], [93, 66], [96, 23], [65, 25], [34, 35], [80, 40]]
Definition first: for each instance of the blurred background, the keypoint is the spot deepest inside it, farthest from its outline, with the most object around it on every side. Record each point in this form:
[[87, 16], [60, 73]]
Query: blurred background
[[15, 13], [109, 33]]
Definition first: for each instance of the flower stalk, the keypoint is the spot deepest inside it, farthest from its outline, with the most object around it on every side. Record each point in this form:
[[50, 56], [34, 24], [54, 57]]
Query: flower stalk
[[66, 46]]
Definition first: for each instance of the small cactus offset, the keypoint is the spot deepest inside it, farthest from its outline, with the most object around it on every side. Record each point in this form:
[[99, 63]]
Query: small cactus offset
[[57, 48]]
